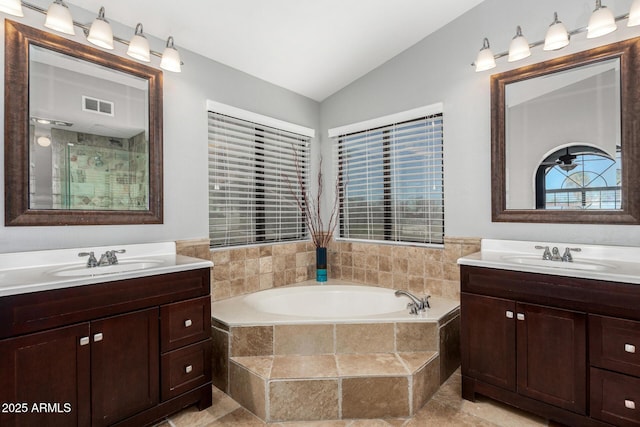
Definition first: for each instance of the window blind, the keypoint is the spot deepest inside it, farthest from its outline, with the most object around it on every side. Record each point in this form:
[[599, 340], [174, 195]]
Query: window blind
[[392, 182], [255, 174]]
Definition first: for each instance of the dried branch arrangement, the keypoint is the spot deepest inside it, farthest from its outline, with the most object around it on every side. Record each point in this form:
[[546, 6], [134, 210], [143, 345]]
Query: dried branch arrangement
[[310, 207]]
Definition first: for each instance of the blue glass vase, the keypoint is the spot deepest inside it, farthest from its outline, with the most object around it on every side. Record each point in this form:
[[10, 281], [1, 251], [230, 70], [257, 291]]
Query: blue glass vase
[[321, 264]]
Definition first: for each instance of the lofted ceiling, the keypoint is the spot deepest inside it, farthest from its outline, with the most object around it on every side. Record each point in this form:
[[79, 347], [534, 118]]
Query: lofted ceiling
[[311, 47]]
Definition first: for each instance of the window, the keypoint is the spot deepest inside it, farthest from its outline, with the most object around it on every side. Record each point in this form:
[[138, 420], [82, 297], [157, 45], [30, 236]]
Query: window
[[391, 182], [253, 176], [579, 177]]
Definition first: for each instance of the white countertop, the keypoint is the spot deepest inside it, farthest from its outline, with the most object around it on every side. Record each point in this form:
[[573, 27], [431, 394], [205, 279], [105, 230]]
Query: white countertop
[[24, 272], [610, 263]]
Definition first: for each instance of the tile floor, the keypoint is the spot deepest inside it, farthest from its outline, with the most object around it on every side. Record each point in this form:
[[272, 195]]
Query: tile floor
[[445, 409]]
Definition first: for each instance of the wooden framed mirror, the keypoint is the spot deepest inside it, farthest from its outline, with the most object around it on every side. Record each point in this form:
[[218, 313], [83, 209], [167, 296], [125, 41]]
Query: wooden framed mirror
[[565, 139], [83, 134]]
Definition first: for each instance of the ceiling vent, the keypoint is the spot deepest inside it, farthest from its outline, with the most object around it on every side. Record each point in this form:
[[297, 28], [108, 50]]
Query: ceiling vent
[[98, 106]]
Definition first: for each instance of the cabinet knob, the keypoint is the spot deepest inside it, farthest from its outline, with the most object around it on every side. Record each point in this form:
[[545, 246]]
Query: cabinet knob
[[188, 369], [509, 314], [630, 348], [520, 316], [84, 340], [629, 404], [97, 337], [188, 323]]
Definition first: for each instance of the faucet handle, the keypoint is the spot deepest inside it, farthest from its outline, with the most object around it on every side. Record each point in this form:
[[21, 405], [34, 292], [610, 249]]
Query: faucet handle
[[425, 302], [92, 261], [546, 254], [111, 255], [567, 254]]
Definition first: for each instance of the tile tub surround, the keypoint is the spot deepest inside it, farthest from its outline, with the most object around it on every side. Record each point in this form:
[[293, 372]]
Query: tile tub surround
[[420, 270], [335, 371]]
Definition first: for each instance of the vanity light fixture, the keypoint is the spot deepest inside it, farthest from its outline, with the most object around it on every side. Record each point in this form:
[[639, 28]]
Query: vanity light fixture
[[59, 18], [100, 32], [171, 57], [601, 21], [11, 7], [519, 46], [139, 45], [485, 60], [43, 141], [557, 35], [634, 14]]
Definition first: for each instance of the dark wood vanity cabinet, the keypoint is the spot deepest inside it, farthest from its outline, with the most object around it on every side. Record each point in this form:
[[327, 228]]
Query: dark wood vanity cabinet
[[121, 353], [563, 348], [511, 344]]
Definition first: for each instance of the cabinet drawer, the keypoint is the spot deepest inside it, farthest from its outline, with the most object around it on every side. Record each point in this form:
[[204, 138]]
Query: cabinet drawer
[[615, 344], [185, 322], [615, 398], [185, 369]]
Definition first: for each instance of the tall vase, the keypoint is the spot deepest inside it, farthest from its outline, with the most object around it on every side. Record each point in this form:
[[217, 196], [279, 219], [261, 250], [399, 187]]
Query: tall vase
[[321, 264]]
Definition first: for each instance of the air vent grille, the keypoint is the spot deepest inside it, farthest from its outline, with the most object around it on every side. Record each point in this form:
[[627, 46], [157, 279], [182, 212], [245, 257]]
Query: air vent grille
[[98, 106]]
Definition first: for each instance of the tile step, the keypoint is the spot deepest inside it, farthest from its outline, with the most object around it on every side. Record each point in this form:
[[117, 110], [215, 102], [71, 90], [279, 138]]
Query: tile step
[[335, 365], [335, 386]]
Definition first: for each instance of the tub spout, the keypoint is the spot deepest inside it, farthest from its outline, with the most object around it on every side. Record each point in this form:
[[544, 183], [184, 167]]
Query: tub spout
[[418, 305]]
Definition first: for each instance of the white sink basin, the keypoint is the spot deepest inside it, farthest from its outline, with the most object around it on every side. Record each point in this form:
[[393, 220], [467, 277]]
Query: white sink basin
[[575, 265], [123, 266]]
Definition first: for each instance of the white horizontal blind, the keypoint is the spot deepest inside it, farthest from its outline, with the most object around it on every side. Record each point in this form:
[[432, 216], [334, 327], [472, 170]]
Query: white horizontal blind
[[253, 177], [392, 182]]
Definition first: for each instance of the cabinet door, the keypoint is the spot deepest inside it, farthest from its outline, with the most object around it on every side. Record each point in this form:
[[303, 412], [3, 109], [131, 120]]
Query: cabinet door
[[488, 339], [552, 356], [124, 365], [44, 378]]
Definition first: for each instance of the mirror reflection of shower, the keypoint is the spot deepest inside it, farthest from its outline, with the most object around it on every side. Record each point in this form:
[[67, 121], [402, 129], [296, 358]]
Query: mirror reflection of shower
[[77, 170]]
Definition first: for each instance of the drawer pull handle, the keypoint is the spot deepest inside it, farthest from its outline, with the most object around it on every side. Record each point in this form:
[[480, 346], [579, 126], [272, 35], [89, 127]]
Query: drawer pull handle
[[188, 369], [84, 340], [629, 404], [97, 337], [630, 348], [520, 316], [188, 323], [509, 314]]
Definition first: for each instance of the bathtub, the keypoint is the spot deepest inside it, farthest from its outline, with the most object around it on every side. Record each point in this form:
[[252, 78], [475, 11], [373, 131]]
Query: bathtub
[[335, 302], [337, 326]]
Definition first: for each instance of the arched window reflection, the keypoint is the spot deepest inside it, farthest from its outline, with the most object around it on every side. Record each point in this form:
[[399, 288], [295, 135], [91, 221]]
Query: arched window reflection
[[579, 177]]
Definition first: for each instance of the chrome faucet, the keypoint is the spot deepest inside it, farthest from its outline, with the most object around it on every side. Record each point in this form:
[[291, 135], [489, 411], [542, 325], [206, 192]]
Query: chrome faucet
[[418, 305], [554, 253], [109, 257]]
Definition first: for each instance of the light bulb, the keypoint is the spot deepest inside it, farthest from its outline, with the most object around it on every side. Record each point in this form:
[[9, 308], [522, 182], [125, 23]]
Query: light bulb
[[634, 14], [139, 46], [170, 57], [100, 32], [601, 22], [59, 18], [519, 47], [557, 36], [485, 60], [11, 7]]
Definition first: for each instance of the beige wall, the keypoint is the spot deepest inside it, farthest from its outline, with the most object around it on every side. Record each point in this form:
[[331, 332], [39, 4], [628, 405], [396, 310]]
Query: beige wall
[[420, 270]]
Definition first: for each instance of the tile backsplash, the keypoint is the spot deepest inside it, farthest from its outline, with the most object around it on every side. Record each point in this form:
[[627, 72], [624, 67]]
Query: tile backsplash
[[419, 270]]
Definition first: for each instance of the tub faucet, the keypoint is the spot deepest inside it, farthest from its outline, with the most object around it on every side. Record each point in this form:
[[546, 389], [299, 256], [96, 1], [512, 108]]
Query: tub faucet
[[418, 305]]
